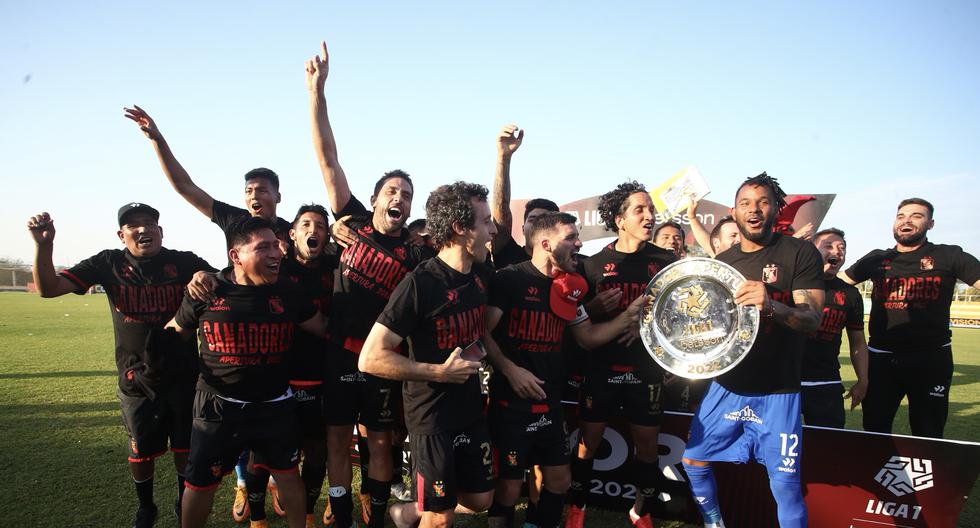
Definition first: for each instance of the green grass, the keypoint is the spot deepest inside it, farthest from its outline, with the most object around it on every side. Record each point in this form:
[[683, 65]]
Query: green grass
[[63, 447]]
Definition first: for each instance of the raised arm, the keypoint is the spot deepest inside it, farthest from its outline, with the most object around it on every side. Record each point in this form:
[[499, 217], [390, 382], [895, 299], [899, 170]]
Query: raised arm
[[804, 316], [49, 283], [176, 175], [338, 191], [379, 357], [701, 235], [508, 141]]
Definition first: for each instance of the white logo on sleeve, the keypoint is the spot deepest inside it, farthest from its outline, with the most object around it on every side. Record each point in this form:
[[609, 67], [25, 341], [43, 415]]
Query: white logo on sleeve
[[904, 475]]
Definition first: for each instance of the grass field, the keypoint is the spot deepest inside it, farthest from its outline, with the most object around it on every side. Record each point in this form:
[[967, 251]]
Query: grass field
[[62, 444]]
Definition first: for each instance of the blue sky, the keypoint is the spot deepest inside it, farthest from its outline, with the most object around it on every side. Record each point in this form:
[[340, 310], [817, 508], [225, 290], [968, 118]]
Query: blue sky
[[874, 101]]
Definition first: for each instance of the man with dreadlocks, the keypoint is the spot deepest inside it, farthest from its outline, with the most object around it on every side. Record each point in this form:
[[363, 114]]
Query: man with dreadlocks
[[754, 409]]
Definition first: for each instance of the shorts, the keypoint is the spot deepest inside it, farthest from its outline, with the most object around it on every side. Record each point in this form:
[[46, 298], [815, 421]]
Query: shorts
[[823, 405], [639, 394], [310, 423], [730, 427], [152, 424], [355, 397], [523, 438], [684, 395], [445, 464], [222, 429]]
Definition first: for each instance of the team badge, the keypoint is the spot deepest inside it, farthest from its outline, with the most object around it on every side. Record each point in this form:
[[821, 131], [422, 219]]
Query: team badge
[[452, 296], [927, 263], [512, 458], [886, 264], [840, 298], [770, 273], [132, 447], [367, 230], [588, 402], [439, 488], [653, 268], [401, 253], [609, 270], [216, 470], [275, 305], [170, 270], [127, 271]]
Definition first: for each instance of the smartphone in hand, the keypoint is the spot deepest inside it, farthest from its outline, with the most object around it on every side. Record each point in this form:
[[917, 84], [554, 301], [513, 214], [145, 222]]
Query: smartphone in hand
[[474, 351]]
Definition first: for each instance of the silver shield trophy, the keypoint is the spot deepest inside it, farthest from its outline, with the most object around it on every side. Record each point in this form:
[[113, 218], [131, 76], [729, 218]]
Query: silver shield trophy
[[691, 325]]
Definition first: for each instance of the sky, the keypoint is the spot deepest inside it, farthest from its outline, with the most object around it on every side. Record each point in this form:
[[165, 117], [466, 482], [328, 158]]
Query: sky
[[874, 101]]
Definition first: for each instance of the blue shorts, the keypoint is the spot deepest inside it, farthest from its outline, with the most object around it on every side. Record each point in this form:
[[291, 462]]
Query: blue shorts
[[731, 427]]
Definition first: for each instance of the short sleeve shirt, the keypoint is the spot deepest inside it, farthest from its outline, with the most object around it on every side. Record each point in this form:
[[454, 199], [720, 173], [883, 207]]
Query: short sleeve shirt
[[143, 292], [437, 309], [773, 364], [912, 293], [843, 308]]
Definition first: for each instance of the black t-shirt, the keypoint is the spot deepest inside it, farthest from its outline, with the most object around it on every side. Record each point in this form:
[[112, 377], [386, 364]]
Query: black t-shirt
[[630, 272], [308, 362], [143, 293], [529, 333], [246, 334], [773, 363], [369, 271], [437, 309], [509, 254], [842, 308], [912, 293], [224, 215]]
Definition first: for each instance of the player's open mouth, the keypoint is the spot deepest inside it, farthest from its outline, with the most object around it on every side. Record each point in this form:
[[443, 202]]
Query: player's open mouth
[[312, 242], [833, 261], [906, 229], [144, 242], [394, 214], [648, 226], [754, 222], [273, 266], [256, 207]]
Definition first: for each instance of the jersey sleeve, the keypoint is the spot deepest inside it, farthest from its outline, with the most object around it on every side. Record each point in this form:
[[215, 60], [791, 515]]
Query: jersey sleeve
[[88, 272], [861, 270], [402, 313], [194, 263], [855, 310], [966, 267], [809, 269], [353, 207], [223, 214], [189, 314]]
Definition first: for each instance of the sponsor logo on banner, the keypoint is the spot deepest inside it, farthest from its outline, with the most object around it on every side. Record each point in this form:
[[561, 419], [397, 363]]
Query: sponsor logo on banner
[[744, 415], [905, 475]]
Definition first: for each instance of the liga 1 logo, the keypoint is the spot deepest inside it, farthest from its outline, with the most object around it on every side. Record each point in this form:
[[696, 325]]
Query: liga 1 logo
[[902, 476]]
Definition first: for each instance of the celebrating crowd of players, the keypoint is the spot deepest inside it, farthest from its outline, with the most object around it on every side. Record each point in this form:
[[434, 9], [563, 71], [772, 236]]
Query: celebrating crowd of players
[[302, 340]]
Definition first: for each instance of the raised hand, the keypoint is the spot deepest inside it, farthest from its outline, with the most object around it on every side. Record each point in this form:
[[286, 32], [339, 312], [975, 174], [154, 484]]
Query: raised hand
[[317, 68], [342, 234], [145, 122], [805, 232], [604, 302], [42, 228], [509, 140]]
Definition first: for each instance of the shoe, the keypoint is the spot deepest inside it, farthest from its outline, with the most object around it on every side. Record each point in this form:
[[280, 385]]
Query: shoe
[[258, 524], [575, 517], [145, 517], [311, 521], [401, 492], [239, 510], [328, 518], [276, 505], [641, 522], [366, 507]]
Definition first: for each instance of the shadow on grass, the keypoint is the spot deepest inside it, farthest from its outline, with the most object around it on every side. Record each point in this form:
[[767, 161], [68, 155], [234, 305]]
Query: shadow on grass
[[59, 374]]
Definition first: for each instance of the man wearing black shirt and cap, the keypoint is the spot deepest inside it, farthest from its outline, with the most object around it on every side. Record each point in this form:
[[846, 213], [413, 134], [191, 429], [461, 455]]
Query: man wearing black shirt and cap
[[910, 347], [144, 284]]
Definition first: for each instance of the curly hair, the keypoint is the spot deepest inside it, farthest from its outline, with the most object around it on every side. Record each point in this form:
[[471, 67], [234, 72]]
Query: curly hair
[[765, 180], [614, 202], [452, 204]]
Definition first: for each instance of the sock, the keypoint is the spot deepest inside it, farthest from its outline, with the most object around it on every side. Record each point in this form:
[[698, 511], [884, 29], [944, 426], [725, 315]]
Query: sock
[[500, 516], [365, 459], [581, 474], [645, 477], [341, 505], [790, 508], [256, 483], [312, 481], [397, 463], [550, 506], [380, 493], [241, 467], [144, 493], [705, 491]]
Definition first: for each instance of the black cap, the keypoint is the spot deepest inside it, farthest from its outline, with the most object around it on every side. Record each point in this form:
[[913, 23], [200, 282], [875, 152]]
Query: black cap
[[136, 206]]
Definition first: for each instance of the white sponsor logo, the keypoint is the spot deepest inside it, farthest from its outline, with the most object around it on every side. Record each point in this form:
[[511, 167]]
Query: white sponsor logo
[[355, 377], [533, 427], [745, 415], [462, 439], [904, 475], [625, 379], [939, 391], [893, 509], [787, 466]]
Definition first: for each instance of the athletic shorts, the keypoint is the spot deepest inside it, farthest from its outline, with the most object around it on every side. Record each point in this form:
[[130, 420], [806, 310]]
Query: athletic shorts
[[522, 438], [730, 427], [639, 394], [684, 395], [310, 422], [823, 405], [924, 377], [152, 424], [355, 397], [222, 429], [445, 464]]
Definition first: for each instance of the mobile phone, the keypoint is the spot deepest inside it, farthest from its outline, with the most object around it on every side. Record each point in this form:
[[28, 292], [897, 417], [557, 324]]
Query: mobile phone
[[474, 351]]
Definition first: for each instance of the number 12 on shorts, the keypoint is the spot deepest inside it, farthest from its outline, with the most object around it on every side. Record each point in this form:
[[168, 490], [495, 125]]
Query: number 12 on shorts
[[789, 444]]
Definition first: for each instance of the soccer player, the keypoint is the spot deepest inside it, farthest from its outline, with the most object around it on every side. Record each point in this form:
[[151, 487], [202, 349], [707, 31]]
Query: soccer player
[[910, 344], [440, 309], [754, 409], [371, 266], [622, 375], [144, 283], [670, 235], [243, 395], [505, 250], [531, 304], [822, 390], [723, 236]]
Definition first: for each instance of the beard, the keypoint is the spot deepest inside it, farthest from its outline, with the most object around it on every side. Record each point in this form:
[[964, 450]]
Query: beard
[[913, 239], [762, 235]]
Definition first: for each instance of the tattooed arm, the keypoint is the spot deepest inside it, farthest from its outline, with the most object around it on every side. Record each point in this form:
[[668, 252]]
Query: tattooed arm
[[803, 316]]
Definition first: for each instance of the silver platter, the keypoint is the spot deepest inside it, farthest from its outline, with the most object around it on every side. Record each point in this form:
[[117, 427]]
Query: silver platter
[[691, 325]]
